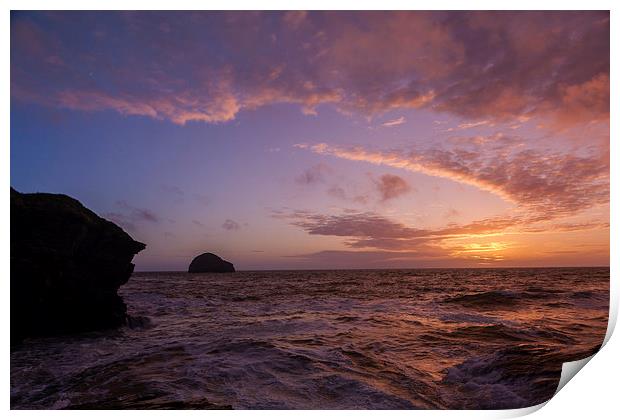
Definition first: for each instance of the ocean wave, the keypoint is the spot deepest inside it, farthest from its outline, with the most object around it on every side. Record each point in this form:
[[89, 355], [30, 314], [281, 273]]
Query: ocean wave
[[496, 299], [514, 377], [331, 339], [491, 299]]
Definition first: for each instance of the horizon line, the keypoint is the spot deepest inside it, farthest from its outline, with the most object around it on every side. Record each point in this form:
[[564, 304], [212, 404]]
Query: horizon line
[[384, 269]]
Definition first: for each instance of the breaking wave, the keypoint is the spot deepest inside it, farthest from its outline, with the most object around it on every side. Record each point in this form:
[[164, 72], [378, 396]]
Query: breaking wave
[[393, 339]]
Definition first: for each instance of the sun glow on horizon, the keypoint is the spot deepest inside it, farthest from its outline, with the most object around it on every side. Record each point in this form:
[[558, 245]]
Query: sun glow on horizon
[[331, 140]]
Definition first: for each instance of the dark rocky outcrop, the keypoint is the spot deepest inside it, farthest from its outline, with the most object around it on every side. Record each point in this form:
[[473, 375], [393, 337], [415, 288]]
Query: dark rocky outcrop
[[67, 264], [210, 263]]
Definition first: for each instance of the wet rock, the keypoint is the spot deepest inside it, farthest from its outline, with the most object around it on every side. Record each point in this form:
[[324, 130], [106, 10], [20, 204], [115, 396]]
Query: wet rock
[[210, 263], [67, 264], [139, 322]]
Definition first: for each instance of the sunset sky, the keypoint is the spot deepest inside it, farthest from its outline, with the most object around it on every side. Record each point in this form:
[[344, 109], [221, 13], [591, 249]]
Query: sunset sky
[[323, 139]]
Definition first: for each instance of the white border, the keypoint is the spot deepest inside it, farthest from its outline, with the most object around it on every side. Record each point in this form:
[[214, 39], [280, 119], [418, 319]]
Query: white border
[[593, 394]]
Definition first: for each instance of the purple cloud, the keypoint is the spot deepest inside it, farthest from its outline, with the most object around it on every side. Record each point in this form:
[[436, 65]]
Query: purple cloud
[[480, 65], [137, 213], [314, 175], [202, 199], [391, 186], [173, 190], [230, 224], [364, 230]]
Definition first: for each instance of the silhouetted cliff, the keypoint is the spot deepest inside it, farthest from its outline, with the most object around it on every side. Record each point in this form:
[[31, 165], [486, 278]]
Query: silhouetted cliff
[[67, 264]]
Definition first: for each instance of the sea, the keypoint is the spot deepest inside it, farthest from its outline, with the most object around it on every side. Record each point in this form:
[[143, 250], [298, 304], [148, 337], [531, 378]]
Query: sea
[[344, 339]]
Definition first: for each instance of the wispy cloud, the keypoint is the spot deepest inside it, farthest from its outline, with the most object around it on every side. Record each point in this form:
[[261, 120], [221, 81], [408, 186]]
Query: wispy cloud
[[367, 232], [173, 190], [465, 126], [339, 192], [230, 225], [202, 199], [548, 182], [129, 216], [313, 175], [391, 186], [394, 123], [138, 213], [474, 124]]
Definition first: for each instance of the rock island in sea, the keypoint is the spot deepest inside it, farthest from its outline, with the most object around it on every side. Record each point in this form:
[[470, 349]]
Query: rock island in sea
[[210, 263]]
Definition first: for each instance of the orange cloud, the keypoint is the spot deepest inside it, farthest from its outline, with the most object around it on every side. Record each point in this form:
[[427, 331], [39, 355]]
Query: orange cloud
[[394, 123], [480, 242], [208, 66], [551, 183], [548, 188], [585, 102]]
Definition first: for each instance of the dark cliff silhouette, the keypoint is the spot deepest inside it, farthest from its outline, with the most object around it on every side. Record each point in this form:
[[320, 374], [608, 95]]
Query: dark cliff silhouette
[[67, 264], [210, 263]]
